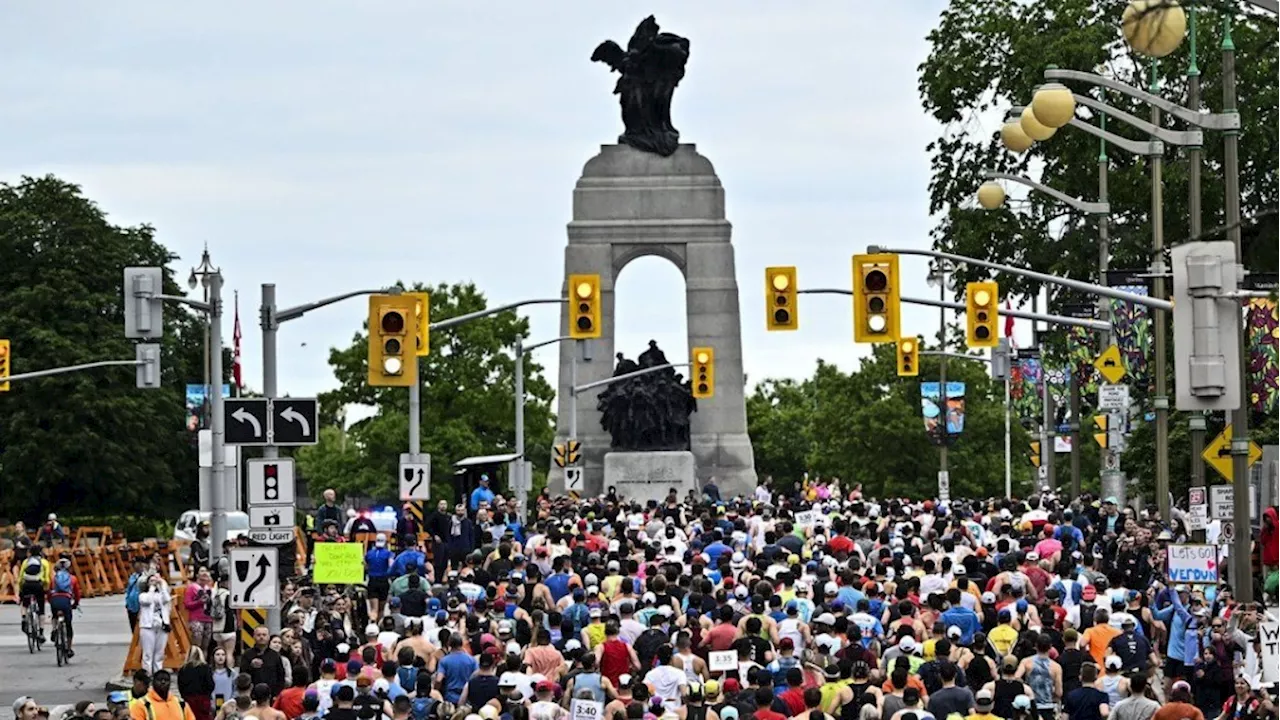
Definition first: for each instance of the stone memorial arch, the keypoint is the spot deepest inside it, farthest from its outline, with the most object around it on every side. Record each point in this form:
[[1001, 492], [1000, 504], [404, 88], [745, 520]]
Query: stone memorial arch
[[630, 203]]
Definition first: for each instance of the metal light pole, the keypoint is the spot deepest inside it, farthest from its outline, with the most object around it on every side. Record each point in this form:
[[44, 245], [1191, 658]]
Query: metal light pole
[[938, 274], [1111, 480], [1196, 422], [520, 350], [200, 277], [1160, 320], [213, 489], [1241, 569]]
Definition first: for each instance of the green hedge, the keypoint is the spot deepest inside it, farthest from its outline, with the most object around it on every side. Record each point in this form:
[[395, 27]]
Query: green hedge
[[134, 528]]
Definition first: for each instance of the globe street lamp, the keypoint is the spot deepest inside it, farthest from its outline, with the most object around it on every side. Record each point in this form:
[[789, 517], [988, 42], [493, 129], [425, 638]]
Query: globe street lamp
[[1154, 28], [1013, 137], [1033, 127], [991, 195], [1053, 105]]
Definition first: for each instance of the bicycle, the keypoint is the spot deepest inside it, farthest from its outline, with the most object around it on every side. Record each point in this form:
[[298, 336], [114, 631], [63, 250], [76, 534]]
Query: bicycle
[[59, 638], [34, 640]]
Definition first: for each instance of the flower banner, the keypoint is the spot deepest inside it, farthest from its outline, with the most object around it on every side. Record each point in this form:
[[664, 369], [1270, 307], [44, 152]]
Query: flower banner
[[1133, 336], [1264, 337]]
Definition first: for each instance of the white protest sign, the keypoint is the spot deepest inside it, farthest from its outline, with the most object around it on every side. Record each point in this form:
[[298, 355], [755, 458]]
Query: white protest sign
[[808, 518], [586, 710], [722, 661], [1270, 651], [1193, 564]]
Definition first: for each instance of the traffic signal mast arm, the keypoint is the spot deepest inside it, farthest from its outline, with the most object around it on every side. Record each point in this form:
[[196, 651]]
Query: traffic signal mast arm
[[74, 368], [460, 319], [626, 376], [1104, 291], [1023, 315], [293, 313]]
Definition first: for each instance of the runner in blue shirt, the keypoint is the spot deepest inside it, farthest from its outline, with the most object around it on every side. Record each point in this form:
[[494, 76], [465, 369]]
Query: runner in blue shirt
[[377, 564]]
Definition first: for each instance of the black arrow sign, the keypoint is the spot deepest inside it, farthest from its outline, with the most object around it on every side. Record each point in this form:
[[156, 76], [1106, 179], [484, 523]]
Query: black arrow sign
[[408, 477], [263, 565]]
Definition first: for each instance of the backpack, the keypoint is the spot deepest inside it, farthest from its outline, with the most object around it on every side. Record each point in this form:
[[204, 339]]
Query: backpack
[[217, 606], [62, 582], [423, 707], [33, 568]]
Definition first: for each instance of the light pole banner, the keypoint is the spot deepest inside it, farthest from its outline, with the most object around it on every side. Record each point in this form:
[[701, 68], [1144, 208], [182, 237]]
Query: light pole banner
[[1024, 388], [198, 405], [1133, 336], [1264, 367], [929, 406]]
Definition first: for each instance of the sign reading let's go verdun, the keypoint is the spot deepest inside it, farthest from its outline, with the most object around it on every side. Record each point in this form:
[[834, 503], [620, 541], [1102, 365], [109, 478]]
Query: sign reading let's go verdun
[[1193, 564]]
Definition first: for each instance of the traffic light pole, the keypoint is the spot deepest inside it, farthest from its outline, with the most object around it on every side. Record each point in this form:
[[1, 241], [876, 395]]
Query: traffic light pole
[[271, 317], [1020, 314], [626, 376], [1196, 422], [72, 368]]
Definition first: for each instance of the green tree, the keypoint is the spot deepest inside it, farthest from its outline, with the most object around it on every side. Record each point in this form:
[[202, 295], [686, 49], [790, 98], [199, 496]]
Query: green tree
[[89, 440], [468, 406]]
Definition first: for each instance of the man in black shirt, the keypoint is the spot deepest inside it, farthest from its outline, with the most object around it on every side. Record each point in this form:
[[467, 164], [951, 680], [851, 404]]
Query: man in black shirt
[[1133, 649], [263, 664]]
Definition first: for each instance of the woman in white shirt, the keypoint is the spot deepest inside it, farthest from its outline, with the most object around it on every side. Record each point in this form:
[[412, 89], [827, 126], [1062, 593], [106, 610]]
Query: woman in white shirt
[[155, 611]]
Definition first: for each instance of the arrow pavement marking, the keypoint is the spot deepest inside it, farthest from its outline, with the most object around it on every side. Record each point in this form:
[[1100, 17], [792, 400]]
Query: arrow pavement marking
[[263, 565], [294, 416], [244, 416]]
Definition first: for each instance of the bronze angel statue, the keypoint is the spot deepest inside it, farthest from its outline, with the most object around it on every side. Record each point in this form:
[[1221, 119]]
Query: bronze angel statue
[[651, 67]]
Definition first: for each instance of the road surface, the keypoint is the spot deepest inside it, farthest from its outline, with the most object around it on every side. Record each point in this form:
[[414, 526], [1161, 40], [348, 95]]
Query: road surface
[[102, 639]]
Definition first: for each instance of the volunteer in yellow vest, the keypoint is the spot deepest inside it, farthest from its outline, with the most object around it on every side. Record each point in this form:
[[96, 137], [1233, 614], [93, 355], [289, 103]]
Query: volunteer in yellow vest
[[159, 703]]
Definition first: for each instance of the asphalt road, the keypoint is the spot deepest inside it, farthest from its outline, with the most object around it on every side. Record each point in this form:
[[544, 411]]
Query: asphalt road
[[101, 641]]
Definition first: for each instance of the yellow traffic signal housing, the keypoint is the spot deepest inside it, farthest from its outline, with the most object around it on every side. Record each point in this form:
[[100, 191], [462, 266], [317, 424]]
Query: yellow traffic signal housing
[[422, 318], [982, 314], [584, 305], [1035, 454], [875, 298], [393, 334], [4, 365], [704, 372], [567, 453], [780, 289], [908, 357], [1102, 438]]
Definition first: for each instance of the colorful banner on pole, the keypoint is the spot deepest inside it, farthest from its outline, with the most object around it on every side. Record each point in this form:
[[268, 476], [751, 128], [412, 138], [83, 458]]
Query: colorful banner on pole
[[1133, 334], [929, 406], [1024, 388], [1264, 369]]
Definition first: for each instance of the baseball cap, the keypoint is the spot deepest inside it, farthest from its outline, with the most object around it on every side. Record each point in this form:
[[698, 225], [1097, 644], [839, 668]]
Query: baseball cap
[[595, 612], [381, 539], [988, 598], [545, 686], [830, 589], [825, 618], [1022, 702], [371, 629], [364, 681], [17, 704], [954, 631], [984, 701], [1088, 593], [786, 643], [907, 644]]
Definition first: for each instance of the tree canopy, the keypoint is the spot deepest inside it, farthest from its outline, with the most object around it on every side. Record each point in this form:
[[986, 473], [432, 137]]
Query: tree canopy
[[468, 404], [866, 426], [91, 439]]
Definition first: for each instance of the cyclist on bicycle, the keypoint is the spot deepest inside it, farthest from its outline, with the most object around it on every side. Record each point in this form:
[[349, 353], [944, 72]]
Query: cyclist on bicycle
[[64, 596], [36, 577]]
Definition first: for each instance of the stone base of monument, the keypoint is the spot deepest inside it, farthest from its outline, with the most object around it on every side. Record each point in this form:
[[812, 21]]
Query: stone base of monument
[[645, 476]]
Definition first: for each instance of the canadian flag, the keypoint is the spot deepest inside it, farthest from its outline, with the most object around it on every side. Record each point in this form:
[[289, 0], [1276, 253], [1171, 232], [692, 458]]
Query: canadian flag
[[235, 352]]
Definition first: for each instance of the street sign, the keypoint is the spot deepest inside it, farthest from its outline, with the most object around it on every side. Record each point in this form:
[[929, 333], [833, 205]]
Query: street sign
[[295, 421], [282, 536], [1111, 461], [1110, 364], [1198, 505], [1218, 454], [944, 486], [1222, 502], [415, 476], [272, 517], [254, 582], [1113, 397], [1228, 533], [246, 420], [271, 481], [573, 478]]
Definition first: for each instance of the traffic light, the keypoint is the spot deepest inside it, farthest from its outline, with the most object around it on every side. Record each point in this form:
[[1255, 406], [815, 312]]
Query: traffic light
[[704, 372], [875, 298], [584, 299], [4, 365], [568, 453], [422, 317], [780, 289], [908, 357], [982, 310], [1102, 423], [392, 337], [1035, 454]]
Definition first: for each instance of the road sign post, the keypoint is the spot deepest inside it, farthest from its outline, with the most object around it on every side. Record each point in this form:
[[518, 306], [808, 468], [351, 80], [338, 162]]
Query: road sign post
[[254, 578]]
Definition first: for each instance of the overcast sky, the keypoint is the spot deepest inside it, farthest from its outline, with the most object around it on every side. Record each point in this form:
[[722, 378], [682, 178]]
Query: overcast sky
[[327, 146]]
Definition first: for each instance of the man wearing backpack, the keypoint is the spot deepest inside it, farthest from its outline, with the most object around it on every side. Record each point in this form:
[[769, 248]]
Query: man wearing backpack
[[36, 576], [64, 596]]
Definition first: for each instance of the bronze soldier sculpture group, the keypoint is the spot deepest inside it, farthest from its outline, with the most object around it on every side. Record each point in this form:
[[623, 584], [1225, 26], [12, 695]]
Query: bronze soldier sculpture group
[[648, 412]]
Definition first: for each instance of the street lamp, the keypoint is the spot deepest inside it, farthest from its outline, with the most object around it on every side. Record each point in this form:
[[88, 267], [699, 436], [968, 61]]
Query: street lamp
[[1154, 27], [991, 195], [1033, 127], [1013, 138], [1053, 105]]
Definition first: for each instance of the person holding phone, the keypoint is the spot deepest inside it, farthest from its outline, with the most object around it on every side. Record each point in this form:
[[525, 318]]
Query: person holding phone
[[155, 612]]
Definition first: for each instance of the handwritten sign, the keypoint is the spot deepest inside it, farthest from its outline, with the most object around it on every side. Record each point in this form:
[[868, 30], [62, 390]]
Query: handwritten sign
[[586, 710], [809, 518], [722, 661], [1270, 633], [1193, 564], [339, 563]]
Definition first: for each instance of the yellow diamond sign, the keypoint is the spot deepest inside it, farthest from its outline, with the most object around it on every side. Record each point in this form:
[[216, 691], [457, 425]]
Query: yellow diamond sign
[[1218, 454], [1110, 365]]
